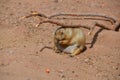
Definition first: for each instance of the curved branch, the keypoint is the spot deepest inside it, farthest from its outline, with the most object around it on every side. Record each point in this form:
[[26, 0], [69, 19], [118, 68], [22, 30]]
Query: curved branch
[[85, 15], [113, 20]]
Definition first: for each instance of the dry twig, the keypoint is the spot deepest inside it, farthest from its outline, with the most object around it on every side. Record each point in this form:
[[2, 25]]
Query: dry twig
[[52, 19]]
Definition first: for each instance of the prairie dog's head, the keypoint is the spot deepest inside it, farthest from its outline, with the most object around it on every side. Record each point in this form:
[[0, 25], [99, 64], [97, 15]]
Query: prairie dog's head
[[60, 34]]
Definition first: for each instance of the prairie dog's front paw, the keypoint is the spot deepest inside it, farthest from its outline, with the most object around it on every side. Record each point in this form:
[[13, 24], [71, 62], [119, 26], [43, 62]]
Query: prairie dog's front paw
[[64, 42], [60, 42]]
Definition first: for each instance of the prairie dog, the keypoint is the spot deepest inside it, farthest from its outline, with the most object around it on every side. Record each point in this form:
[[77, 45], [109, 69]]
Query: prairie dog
[[69, 40]]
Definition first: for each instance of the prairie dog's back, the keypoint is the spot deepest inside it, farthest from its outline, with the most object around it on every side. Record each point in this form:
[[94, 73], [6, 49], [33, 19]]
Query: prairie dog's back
[[78, 36]]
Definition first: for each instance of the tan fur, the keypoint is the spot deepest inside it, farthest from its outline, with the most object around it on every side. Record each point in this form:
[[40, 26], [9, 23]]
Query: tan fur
[[69, 40]]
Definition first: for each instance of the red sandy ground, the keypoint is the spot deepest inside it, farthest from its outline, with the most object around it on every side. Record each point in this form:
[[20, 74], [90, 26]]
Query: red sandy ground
[[20, 43]]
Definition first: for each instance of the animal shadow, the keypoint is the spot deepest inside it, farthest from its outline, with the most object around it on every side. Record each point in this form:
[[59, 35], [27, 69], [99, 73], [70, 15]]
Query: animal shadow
[[95, 37]]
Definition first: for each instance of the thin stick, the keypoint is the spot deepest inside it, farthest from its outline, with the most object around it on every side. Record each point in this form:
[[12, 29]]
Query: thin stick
[[85, 15], [45, 47], [114, 21], [64, 25]]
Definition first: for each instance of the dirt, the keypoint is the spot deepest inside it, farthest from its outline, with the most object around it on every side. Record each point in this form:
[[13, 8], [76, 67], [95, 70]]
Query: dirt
[[21, 41]]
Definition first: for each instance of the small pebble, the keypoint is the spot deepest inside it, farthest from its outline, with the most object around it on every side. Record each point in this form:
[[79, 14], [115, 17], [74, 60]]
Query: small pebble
[[1, 48], [86, 60], [73, 71], [29, 79], [36, 52], [63, 76], [11, 52], [60, 71], [24, 46], [47, 70]]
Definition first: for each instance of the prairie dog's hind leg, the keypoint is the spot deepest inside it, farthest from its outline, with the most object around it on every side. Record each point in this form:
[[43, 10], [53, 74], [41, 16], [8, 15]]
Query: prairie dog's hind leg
[[77, 51]]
